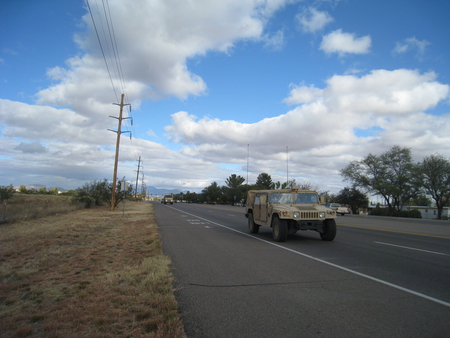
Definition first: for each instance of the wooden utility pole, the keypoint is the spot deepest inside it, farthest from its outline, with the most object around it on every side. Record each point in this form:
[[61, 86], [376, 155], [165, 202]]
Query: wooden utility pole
[[137, 178], [116, 160]]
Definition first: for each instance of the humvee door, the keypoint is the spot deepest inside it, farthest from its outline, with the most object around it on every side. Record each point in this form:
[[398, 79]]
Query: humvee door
[[260, 208]]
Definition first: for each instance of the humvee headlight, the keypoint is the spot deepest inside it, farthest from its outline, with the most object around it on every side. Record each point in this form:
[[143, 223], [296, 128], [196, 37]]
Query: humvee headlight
[[322, 214], [296, 214]]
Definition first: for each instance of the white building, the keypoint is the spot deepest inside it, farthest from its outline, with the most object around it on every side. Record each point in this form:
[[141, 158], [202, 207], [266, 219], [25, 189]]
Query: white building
[[429, 212]]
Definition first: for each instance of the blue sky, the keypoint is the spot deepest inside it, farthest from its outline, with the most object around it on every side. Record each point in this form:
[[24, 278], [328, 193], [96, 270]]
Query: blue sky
[[213, 82]]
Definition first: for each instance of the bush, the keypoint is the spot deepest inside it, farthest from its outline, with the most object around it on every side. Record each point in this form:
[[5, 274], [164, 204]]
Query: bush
[[379, 211], [99, 193], [402, 213], [87, 200], [415, 214], [6, 193]]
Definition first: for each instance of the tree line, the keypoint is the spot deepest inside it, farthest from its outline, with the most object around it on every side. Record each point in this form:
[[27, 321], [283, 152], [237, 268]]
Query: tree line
[[399, 181], [392, 175], [235, 192]]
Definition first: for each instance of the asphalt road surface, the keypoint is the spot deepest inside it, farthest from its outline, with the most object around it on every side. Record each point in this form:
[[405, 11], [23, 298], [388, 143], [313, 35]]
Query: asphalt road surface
[[380, 277]]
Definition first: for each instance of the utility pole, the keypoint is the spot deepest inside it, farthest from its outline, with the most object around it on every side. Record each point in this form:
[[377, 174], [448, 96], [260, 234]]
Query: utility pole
[[116, 161], [137, 178], [143, 187]]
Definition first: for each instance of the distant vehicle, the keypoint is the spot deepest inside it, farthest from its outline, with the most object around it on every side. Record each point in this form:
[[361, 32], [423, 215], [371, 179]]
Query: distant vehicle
[[168, 199], [342, 210], [287, 211]]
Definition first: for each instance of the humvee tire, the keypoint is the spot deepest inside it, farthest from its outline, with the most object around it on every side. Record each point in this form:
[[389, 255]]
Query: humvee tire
[[329, 230], [279, 229], [252, 226]]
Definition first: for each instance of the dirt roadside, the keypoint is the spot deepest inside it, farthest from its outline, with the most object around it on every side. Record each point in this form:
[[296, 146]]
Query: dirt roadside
[[88, 273]]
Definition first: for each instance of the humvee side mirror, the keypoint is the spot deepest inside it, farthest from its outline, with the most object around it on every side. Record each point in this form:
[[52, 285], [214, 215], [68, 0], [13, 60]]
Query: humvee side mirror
[[322, 199]]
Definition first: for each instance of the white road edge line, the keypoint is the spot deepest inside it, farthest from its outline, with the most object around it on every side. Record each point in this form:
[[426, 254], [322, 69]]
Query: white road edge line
[[407, 247], [398, 287]]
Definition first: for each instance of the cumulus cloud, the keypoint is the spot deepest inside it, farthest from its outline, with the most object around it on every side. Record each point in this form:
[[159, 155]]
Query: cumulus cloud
[[321, 131], [345, 43], [312, 20], [302, 94], [155, 40]]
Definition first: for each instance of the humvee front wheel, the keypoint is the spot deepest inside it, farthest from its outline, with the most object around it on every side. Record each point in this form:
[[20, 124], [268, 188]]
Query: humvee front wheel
[[252, 226], [329, 230], [279, 229]]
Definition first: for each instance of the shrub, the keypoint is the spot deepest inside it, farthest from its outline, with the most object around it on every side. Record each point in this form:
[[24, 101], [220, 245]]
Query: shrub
[[6, 193], [415, 214]]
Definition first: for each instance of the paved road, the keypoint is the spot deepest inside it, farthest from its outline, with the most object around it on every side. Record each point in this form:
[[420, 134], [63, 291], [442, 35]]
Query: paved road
[[378, 278]]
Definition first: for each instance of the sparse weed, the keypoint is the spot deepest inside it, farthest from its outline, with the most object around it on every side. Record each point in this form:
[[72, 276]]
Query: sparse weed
[[92, 273], [23, 207]]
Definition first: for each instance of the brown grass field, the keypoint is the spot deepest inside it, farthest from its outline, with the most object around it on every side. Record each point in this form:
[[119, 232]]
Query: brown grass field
[[87, 273]]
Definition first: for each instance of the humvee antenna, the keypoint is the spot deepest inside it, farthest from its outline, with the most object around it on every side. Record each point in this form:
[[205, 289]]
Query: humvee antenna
[[248, 152], [287, 167]]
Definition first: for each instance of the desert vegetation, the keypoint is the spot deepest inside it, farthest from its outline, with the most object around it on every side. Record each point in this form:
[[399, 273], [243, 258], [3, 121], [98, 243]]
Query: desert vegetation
[[26, 206], [87, 273]]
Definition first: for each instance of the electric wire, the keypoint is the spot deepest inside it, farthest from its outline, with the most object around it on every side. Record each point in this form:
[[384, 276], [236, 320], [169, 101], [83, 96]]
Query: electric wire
[[101, 48], [113, 56]]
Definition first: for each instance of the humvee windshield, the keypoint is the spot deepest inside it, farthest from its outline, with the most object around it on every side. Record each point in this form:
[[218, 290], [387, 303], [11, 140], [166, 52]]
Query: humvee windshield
[[307, 198], [286, 198]]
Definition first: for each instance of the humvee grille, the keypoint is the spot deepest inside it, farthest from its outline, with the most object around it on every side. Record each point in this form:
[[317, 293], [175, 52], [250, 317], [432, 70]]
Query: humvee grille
[[309, 214]]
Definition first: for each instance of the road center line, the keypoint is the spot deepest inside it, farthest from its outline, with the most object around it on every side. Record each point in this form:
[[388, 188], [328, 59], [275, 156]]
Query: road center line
[[398, 287], [407, 247]]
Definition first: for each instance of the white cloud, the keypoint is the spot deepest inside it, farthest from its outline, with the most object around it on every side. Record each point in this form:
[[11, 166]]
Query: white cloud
[[320, 133], [345, 43], [275, 41], [155, 40], [302, 94], [312, 20], [411, 44]]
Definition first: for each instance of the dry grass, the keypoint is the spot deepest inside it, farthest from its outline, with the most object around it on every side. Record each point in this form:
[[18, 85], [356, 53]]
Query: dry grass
[[88, 273], [23, 206]]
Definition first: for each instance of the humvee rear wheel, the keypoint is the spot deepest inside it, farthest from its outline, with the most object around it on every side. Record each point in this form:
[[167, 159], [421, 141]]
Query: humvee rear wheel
[[252, 226], [279, 229], [329, 230]]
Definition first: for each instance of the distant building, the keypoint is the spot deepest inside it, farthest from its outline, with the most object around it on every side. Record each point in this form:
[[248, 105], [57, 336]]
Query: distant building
[[428, 212]]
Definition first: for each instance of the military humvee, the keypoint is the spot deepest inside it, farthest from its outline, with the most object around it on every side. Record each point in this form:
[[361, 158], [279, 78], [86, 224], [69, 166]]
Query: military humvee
[[287, 211], [168, 199]]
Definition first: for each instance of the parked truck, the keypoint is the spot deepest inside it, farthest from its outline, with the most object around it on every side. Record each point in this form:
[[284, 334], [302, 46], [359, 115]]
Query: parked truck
[[340, 209], [287, 211]]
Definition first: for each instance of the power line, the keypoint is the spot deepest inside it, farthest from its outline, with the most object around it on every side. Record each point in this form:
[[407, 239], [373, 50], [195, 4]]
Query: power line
[[101, 47]]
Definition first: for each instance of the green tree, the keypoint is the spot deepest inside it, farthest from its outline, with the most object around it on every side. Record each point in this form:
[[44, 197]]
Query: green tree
[[388, 175], [212, 193], [434, 174], [6, 193], [264, 182], [421, 200], [191, 197], [234, 189], [352, 197]]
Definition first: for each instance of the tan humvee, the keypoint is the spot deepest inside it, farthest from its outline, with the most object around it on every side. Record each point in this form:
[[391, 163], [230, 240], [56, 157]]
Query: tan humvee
[[168, 199], [287, 211]]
